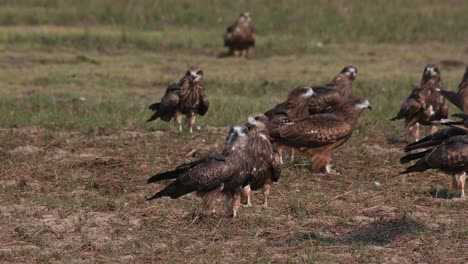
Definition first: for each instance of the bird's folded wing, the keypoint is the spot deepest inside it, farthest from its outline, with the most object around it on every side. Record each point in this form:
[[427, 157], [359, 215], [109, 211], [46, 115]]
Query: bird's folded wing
[[316, 130]]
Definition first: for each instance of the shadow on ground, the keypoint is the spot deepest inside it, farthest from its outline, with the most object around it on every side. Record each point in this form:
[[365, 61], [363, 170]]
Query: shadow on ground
[[379, 233]]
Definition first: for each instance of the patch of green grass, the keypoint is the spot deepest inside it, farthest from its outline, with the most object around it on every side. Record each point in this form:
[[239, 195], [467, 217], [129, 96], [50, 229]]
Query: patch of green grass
[[331, 21]]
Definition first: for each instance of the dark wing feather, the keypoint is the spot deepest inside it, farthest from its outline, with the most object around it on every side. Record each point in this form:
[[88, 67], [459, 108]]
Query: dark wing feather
[[204, 104], [203, 177], [451, 157], [434, 139], [168, 105], [410, 106], [182, 169], [453, 97], [413, 156]]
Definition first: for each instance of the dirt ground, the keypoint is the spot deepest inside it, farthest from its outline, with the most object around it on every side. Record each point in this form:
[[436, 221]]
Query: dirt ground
[[80, 198]]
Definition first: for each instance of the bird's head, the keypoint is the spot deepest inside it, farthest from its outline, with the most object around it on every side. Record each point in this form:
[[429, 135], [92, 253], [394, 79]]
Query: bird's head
[[306, 92], [237, 132], [245, 17], [360, 104], [350, 71], [194, 74], [257, 121], [301, 92], [431, 71]]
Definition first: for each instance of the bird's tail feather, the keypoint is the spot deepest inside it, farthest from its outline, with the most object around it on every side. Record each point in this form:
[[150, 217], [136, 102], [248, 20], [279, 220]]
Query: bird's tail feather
[[420, 166], [154, 106], [164, 176], [168, 191], [413, 156], [422, 144]]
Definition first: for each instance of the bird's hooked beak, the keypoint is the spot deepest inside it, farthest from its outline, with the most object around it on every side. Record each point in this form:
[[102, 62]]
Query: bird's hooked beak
[[249, 126], [192, 77], [369, 107]]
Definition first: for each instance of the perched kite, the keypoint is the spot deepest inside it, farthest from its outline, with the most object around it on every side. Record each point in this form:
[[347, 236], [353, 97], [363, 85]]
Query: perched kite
[[186, 97], [240, 36], [424, 105]]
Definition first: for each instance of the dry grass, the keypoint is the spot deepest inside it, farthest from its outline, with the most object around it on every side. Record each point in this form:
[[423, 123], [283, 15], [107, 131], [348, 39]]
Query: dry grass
[[72, 197]]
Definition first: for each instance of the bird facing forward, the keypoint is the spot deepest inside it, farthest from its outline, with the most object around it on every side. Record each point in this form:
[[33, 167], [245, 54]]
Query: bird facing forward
[[424, 105], [240, 36]]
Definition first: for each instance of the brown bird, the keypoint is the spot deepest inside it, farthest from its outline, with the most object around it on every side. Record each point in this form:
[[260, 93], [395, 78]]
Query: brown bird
[[450, 156], [267, 165], [210, 176], [240, 36], [185, 97], [318, 135], [304, 101], [424, 105], [460, 98]]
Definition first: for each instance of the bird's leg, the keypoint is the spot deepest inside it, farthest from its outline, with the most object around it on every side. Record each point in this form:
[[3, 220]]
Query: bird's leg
[[178, 119], [293, 153], [191, 121], [266, 194], [459, 181], [416, 132], [245, 53], [228, 204], [280, 153], [432, 129], [235, 203], [236, 53], [246, 192]]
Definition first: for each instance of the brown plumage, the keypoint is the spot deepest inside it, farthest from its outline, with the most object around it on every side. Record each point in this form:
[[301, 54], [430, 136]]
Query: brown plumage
[[223, 173], [187, 97], [240, 36], [267, 165], [460, 98], [319, 134], [304, 101], [424, 105], [450, 156]]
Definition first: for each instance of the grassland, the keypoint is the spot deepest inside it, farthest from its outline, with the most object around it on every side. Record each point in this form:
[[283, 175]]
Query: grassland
[[75, 81]]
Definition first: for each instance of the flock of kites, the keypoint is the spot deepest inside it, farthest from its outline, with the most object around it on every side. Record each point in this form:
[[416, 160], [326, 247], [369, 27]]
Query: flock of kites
[[312, 120]]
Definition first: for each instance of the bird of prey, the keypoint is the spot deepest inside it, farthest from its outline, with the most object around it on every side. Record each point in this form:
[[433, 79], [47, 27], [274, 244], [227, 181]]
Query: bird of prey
[[267, 165], [304, 101], [187, 97], [450, 156], [240, 36], [318, 135], [210, 176], [424, 105], [460, 98]]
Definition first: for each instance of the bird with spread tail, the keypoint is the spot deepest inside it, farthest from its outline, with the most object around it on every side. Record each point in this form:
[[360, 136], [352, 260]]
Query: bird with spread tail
[[240, 36], [445, 150], [460, 98], [267, 165], [319, 134], [213, 175], [305, 101], [186, 97], [424, 105]]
